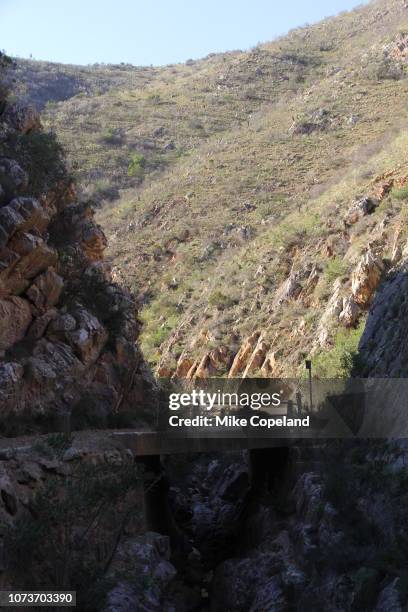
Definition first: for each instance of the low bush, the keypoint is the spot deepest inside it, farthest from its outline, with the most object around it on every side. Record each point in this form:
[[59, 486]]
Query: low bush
[[136, 165], [111, 137], [335, 269], [220, 300], [343, 358], [400, 194]]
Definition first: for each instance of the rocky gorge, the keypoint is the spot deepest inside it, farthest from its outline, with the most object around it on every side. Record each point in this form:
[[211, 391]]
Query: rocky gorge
[[309, 526]]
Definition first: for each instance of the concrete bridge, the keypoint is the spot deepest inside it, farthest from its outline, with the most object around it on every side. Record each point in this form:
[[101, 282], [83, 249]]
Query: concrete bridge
[[171, 441], [266, 457], [150, 443], [339, 416]]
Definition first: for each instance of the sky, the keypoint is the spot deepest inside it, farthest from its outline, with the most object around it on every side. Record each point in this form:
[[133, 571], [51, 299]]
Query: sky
[[144, 32]]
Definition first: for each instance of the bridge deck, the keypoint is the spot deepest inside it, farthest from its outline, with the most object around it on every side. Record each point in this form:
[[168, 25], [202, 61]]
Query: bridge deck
[[145, 443]]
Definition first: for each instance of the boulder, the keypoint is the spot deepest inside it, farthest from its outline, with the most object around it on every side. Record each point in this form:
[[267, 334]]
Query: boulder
[[257, 358], [34, 215], [310, 284], [361, 208], [96, 403], [399, 48], [204, 369], [164, 371], [148, 557], [13, 179], [271, 596], [63, 323], [10, 222], [15, 318], [396, 252], [366, 278], [308, 494], [17, 278], [88, 338], [23, 242], [93, 241], [45, 291], [21, 214], [234, 483], [7, 258], [192, 370], [11, 375], [52, 367], [333, 309], [383, 345], [389, 599], [269, 368], [22, 118], [241, 358], [350, 313], [289, 289], [183, 366], [220, 358], [382, 189], [39, 326], [241, 584]]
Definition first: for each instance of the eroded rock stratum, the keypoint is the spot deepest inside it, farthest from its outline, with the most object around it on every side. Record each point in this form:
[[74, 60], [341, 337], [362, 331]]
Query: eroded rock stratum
[[67, 332]]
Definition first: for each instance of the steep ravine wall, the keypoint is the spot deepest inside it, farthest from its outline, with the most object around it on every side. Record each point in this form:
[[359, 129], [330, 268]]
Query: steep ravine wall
[[67, 332], [71, 507]]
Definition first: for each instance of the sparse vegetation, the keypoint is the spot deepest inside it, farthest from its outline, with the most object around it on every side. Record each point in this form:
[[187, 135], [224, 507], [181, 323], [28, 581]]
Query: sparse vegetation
[[341, 360], [336, 268], [220, 300], [74, 528], [400, 194], [136, 165], [209, 146], [5, 64]]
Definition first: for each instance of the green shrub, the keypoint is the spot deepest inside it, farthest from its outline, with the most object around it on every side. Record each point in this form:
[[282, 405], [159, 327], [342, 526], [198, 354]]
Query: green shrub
[[220, 300], [136, 165], [335, 269], [384, 69], [43, 158], [160, 335], [388, 70], [111, 137], [343, 358], [400, 194]]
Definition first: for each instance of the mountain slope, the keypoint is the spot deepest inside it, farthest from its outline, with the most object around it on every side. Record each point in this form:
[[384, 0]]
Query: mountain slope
[[241, 221]]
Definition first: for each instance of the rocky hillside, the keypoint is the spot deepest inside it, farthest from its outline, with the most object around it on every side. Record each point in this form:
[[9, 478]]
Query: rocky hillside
[[256, 203], [253, 201], [67, 332]]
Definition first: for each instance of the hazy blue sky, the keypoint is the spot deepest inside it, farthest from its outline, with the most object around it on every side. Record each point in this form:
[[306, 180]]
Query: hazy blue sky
[[149, 31]]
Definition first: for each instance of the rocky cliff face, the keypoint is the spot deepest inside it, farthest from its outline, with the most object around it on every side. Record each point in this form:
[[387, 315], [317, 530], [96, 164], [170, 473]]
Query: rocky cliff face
[[67, 332], [68, 359], [383, 346]]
